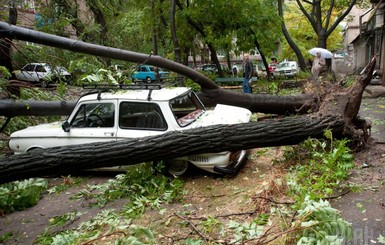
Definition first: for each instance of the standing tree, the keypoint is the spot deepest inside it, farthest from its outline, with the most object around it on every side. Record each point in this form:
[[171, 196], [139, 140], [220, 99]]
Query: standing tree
[[226, 25], [324, 17], [5, 44]]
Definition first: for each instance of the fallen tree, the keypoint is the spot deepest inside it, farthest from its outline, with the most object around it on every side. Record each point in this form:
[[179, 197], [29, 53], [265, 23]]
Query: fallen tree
[[332, 108], [337, 112], [68, 159]]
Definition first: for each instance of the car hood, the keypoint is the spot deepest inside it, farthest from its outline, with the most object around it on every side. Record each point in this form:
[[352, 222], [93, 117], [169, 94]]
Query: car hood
[[41, 130], [224, 114]]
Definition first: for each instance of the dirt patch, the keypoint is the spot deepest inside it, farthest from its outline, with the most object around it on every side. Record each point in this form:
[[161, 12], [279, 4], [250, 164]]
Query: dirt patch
[[225, 198], [205, 196]]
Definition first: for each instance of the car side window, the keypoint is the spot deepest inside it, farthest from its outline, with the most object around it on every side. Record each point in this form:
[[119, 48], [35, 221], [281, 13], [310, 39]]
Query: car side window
[[40, 68], [29, 67], [94, 115], [142, 116]]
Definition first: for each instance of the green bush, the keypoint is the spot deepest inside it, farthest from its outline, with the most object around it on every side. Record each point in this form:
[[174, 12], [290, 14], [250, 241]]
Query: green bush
[[321, 167]]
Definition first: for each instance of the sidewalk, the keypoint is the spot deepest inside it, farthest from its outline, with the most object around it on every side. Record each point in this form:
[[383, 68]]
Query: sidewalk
[[365, 209], [375, 91]]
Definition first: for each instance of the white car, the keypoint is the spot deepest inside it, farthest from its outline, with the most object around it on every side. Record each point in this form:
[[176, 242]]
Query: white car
[[135, 113], [42, 73], [287, 69]]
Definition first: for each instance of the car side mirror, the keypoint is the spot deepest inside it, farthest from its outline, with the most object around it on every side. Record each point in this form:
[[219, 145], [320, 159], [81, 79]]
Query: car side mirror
[[66, 126]]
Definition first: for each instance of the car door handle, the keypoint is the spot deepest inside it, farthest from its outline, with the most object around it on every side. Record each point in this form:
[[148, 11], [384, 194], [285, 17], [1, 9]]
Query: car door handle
[[109, 134]]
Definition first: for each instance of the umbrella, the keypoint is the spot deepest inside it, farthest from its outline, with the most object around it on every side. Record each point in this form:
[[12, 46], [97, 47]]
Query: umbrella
[[324, 52]]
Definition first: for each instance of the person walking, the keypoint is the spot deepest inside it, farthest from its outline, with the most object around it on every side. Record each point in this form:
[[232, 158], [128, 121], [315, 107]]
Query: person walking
[[247, 74], [318, 62]]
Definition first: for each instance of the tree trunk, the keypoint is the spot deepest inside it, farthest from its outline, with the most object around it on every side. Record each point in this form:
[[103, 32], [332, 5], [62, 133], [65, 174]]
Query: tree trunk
[[256, 43], [67, 159], [12, 108], [5, 43], [289, 40], [99, 17], [272, 104], [177, 51]]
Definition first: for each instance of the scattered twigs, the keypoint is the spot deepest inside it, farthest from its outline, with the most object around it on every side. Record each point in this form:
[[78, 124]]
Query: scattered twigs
[[273, 201], [337, 196], [193, 226], [225, 215]]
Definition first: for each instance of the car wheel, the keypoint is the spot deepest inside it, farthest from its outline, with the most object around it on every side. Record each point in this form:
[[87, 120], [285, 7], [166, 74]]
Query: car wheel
[[148, 79], [43, 83], [177, 167]]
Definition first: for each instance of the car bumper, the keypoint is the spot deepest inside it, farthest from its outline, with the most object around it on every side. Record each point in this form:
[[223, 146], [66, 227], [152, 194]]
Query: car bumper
[[286, 73], [236, 164], [219, 163]]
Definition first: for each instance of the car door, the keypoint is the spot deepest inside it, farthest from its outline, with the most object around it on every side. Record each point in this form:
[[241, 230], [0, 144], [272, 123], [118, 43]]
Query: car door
[[140, 119], [28, 73], [92, 122], [42, 71]]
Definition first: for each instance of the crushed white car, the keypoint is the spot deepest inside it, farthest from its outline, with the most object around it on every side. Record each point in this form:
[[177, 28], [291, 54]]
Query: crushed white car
[[134, 113]]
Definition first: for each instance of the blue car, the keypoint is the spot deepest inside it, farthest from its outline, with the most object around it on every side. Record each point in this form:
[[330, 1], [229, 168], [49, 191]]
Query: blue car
[[149, 73]]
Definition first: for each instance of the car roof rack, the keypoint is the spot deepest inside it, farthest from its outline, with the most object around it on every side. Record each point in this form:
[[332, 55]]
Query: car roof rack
[[123, 86], [100, 88]]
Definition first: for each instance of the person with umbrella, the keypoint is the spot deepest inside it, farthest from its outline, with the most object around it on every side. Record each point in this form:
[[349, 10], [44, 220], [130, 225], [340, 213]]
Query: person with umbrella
[[318, 63], [320, 55]]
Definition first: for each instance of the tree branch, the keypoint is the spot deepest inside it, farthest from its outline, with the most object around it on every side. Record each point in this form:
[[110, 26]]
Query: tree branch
[[311, 20], [341, 17], [193, 226]]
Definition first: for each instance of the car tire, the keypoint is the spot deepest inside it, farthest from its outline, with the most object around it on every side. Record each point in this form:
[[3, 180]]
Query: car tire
[[177, 167], [148, 79], [44, 83]]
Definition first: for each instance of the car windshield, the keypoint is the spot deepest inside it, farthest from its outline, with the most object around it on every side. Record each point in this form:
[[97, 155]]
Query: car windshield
[[286, 65], [60, 69], [187, 108]]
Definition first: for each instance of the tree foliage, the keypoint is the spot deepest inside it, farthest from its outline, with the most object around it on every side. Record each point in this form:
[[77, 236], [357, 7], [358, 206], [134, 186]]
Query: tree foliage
[[303, 35], [224, 27], [324, 16]]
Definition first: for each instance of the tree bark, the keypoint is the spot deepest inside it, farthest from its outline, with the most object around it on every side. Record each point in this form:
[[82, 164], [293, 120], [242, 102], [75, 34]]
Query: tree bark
[[177, 51], [288, 38], [5, 43], [12, 108], [272, 104], [67, 159]]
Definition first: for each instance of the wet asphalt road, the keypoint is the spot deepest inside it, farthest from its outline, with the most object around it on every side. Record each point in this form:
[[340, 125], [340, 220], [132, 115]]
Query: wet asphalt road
[[365, 209]]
